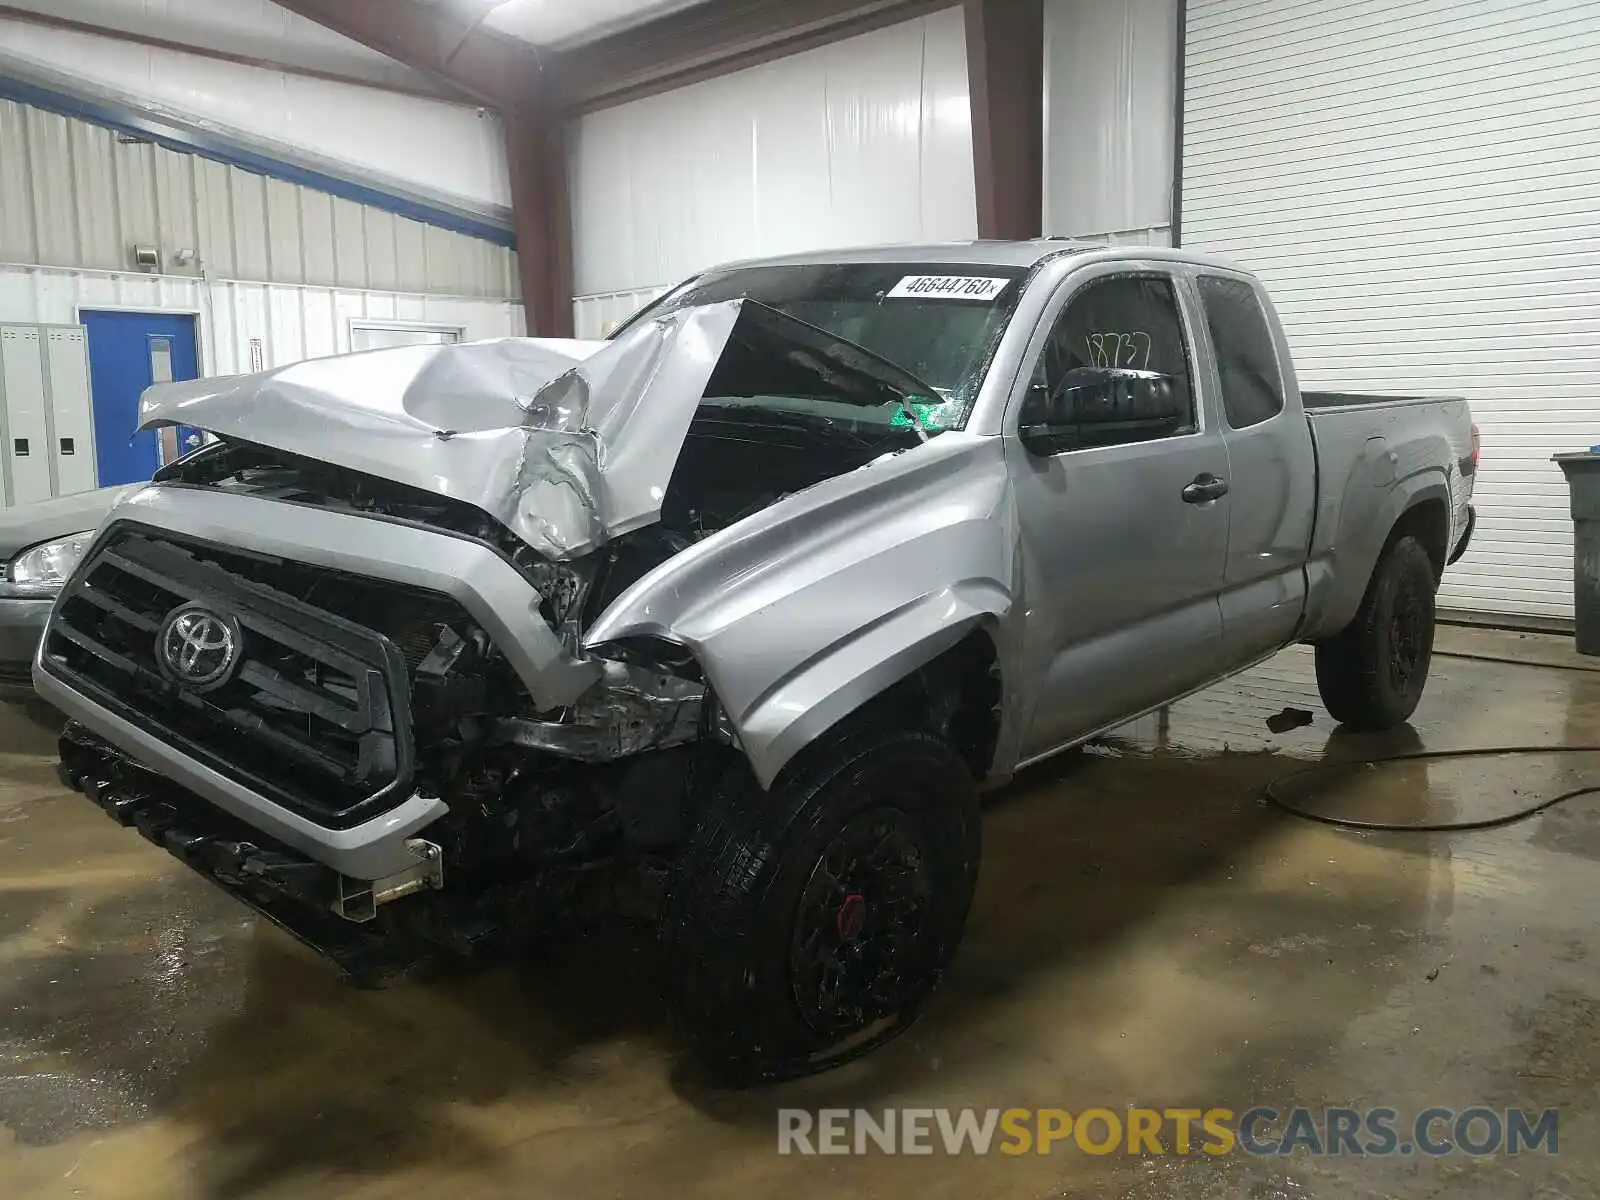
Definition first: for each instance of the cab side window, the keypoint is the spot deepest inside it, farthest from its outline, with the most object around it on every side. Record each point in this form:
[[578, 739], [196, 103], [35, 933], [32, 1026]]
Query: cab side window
[[1252, 385], [1117, 359]]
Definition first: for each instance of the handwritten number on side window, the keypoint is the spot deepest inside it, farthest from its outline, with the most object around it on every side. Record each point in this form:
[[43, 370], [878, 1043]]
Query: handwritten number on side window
[[1128, 351]]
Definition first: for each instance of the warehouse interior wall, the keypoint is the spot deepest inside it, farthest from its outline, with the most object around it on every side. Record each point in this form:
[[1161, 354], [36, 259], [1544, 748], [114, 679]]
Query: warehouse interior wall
[[272, 272], [249, 326], [75, 194], [865, 140], [1109, 103], [373, 133]]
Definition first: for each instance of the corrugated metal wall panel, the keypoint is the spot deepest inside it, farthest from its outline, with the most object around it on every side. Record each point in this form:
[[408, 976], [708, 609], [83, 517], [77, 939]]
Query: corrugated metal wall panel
[[383, 266], [247, 212], [18, 241], [293, 322], [411, 255], [285, 242], [375, 132], [350, 244], [214, 214], [316, 238], [865, 140], [48, 163], [133, 175], [94, 194], [178, 216], [443, 265], [1417, 185], [75, 195]]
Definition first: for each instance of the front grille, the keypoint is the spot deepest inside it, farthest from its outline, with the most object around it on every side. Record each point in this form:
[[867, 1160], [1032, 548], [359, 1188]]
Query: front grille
[[315, 715]]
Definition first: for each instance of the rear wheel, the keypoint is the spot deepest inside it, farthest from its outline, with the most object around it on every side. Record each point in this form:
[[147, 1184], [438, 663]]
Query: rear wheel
[[807, 925], [1372, 674]]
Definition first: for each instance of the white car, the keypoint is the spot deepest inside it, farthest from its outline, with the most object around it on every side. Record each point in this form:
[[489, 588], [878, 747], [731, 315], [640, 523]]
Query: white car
[[40, 544]]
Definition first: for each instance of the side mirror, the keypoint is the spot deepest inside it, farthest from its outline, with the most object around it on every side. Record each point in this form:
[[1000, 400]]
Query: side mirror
[[1100, 406]]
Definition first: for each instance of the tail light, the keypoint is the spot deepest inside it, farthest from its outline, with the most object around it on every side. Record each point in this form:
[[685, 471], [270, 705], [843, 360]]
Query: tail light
[[1472, 458]]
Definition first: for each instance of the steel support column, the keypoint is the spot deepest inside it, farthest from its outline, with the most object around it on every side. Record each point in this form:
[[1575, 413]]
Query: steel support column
[[1005, 74], [536, 159]]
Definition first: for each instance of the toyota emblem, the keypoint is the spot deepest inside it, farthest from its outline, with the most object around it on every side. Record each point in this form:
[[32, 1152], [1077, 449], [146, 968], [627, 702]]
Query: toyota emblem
[[197, 646]]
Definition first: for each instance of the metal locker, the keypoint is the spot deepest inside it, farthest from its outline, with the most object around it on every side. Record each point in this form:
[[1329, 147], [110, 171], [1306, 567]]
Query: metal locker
[[72, 416], [27, 433]]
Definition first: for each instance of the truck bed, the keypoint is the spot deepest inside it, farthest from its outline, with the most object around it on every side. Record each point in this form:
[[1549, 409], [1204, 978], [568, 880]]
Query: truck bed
[[1312, 401], [1366, 447]]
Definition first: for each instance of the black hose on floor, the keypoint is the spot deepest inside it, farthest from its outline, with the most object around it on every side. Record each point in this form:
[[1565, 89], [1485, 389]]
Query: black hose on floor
[[1272, 795]]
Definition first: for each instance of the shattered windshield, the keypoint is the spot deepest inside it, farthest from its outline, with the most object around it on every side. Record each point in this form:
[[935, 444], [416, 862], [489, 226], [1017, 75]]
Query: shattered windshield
[[938, 321]]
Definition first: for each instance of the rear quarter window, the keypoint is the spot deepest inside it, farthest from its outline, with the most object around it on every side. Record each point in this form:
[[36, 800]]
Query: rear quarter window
[[1252, 385]]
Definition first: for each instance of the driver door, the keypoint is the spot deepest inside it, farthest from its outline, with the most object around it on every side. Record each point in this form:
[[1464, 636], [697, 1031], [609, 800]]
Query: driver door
[[1124, 559]]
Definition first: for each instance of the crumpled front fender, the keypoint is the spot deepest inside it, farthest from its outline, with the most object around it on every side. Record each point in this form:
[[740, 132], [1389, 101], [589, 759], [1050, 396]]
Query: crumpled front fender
[[804, 706], [803, 612]]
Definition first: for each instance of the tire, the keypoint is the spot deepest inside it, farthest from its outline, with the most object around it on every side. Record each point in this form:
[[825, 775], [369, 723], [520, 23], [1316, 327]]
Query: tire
[[1372, 674], [752, 912]]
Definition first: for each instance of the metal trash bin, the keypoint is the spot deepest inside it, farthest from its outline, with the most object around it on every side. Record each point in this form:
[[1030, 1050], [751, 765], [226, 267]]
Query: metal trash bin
[[1582, 470]]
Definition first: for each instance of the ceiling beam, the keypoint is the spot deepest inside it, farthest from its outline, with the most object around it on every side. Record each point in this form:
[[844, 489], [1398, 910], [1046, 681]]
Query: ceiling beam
[[448, 44], [712, 39], [440, 41], [1005, 78], [28, 16]]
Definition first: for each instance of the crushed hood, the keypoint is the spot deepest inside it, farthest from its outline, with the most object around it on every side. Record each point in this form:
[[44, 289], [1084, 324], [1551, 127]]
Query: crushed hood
[[567, 443]]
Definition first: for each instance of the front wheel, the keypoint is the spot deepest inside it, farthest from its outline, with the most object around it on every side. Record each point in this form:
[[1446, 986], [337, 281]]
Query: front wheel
[[1372, 674], [808, 924]]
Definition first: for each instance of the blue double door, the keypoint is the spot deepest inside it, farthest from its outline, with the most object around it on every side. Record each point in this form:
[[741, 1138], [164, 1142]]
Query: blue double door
[[129, 351]]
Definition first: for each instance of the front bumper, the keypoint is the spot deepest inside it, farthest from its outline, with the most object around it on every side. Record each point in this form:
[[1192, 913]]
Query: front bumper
[[22, 625], [372, 850], [296, 893], [467, 571]]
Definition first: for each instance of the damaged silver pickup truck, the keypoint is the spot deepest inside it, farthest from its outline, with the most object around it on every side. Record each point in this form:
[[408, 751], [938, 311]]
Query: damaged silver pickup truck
[[727, 619]]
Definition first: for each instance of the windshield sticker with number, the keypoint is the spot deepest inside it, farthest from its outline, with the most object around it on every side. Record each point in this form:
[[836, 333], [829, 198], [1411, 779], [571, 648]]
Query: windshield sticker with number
[[948, 287]]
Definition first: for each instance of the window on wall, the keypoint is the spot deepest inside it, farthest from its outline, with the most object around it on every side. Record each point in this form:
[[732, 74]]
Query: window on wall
[[1252, 385], [365, 336]]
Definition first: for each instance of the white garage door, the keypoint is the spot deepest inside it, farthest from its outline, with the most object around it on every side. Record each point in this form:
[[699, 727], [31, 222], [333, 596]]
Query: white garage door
[[1419, 185]]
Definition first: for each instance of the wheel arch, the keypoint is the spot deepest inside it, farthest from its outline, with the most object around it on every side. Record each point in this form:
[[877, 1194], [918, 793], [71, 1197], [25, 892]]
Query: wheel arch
[[934, 664], [1420, 506]]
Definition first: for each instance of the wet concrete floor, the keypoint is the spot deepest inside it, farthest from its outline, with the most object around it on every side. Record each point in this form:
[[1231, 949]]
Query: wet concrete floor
[[1147, 932]]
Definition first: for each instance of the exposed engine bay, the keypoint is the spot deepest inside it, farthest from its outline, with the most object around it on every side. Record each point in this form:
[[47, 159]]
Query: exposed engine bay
[[530, 790]]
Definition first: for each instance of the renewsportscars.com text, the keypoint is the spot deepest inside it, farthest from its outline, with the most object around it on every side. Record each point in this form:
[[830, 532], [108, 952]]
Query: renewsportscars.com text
[[1375, 1132]]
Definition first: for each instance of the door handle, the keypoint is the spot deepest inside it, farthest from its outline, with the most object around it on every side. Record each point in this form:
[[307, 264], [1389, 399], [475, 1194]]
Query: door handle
[[1205, 488]]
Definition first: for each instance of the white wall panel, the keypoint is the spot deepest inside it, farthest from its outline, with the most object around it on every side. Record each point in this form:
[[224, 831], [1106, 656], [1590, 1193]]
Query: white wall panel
[[293, 322], [865, 140], [1109, 117], [1418, 186], [257, 28], [73, 194], [376, 131], [597, 316]]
